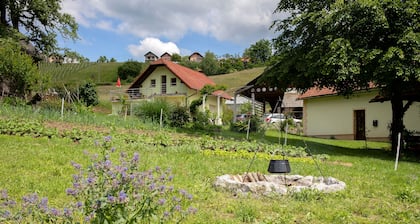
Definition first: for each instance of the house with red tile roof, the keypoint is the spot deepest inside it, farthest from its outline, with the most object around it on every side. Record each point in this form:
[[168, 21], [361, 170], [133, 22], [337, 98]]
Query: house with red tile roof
[[177, 84], [328, 115]]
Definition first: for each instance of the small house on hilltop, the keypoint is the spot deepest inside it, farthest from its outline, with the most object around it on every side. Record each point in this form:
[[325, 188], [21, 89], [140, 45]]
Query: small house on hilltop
[[166, 56], [196, 57], [174, 83], [150, 56]]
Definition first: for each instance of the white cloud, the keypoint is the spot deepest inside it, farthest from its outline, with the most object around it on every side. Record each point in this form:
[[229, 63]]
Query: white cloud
[[154, 45], [237, 21]]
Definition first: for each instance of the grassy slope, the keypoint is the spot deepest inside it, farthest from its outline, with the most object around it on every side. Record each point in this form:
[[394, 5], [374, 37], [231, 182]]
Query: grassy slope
[[235, 80], [100, 73]]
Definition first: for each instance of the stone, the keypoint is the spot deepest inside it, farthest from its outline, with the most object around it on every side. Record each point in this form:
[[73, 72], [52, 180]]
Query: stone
[[260, 184]]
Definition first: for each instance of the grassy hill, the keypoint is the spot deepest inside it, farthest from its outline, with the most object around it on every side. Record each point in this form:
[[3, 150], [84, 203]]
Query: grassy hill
[[235, 80], [99, 73]]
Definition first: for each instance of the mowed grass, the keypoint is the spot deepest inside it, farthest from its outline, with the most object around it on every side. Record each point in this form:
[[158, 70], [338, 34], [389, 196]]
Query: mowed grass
[[235, 80], [375, 193]]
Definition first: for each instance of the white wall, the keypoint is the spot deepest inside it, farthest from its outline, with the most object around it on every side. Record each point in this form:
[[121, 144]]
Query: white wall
[[333, 116]]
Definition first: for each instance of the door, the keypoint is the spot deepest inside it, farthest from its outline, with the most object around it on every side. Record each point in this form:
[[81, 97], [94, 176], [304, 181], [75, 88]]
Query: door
[[163, 87], [359, 125]]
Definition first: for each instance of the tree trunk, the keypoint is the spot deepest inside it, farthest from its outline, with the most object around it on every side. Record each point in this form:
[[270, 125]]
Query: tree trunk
[[3, 20], [397, 125]]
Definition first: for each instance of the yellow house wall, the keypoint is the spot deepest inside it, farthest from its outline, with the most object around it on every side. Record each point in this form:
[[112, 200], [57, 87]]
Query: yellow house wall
[[179, 88], [148, 90], [333, 116]]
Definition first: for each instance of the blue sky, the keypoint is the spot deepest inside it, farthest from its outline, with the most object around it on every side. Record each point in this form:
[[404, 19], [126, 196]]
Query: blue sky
[[127, 29]]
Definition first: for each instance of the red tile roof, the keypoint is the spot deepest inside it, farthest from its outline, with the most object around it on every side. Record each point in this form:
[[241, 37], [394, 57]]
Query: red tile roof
[[314, 92], [222, 94], [192, 79]]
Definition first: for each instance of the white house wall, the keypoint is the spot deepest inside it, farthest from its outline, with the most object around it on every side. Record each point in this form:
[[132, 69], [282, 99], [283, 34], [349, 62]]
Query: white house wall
[[333, 116]]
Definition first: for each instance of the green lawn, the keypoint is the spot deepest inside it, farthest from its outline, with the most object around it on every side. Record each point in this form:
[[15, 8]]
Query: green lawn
[[375, 193]]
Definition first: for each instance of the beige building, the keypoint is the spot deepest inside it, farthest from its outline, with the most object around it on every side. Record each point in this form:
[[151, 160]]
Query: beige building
[[174, 83], [327, 115]]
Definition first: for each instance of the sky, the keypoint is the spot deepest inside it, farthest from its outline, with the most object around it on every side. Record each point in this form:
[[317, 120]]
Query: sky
[[128, 29]]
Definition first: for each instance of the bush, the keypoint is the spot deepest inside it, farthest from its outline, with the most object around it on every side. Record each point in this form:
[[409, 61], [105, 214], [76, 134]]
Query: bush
[[88, 94], [151, 110], [178, 117], [242, 126]]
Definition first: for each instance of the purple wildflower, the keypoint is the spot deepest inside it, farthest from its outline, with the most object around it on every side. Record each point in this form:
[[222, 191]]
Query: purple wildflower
[[152, 186], [44, 204], [54, 212], [122, 197], [192, 210], [135, 157], [162, 188], [171, 177], [6, 214], [107, 164], [4, 194], [161, 201], [76, 165], [79, 204], [113, 149], [90, 180], [166, 214], [178, 207], [89, 217], [107, 138], [111, 199], [189, 196], [67, 212]]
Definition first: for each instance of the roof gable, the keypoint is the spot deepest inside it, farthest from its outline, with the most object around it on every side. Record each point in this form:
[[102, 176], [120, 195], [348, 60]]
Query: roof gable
[[192, 79]]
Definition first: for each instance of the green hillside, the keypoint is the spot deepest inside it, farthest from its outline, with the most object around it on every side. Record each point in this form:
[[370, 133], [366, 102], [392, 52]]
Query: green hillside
[[100, 73], [235, 80]]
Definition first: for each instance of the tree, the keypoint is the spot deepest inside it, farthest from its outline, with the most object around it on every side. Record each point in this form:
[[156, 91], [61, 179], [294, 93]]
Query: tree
[[41, 20], [88, 94], [102, 59], [176, 57], [74, 57], [260, 52], [129, 69], [350, 46], [209, 64], [18, 75]]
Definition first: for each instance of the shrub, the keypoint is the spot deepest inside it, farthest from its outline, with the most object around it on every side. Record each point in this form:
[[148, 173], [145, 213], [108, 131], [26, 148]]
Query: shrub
[[88, 94], [151, 110], [178, 117], [255, 125]]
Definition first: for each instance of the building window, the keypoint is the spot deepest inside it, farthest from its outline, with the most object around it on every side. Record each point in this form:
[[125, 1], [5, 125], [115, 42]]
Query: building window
[[153, 83], [173, 81]]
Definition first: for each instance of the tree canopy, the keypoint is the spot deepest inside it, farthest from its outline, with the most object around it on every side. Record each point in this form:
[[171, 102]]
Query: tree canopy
[[260, 52], [41, 21], [18, 75], [129, 70], [349, 46]]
